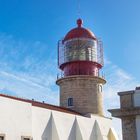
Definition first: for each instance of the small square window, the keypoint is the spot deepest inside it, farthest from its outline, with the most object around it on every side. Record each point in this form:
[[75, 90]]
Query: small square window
[[1, 137], [70, 101], [26, 138]]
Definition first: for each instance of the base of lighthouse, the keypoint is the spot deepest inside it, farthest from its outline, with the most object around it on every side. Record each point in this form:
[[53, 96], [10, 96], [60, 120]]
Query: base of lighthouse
[[85, 91]]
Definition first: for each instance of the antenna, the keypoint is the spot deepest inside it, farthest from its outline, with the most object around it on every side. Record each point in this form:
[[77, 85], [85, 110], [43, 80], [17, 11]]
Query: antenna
[[78, 8]]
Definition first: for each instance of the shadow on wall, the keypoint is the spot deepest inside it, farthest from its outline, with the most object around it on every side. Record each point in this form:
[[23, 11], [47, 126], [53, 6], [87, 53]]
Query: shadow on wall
[[50, 132], [75, 132]]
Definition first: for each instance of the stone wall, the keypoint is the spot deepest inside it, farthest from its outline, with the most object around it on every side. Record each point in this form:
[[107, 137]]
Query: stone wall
[[129, 128], [129, 113], [86, 92], [126, 101]]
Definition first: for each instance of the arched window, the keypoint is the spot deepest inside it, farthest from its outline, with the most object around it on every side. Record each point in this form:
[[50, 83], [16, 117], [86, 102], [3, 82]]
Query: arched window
[[70, 101], [100, 88]]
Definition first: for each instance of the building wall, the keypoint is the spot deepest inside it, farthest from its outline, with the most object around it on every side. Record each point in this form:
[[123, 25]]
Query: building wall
[[85, 91], [54, 125], [129, 128], [40, 118], [15, 119], [137, 98], [138, 127], [19, 118], [129, 113], [126, 101]]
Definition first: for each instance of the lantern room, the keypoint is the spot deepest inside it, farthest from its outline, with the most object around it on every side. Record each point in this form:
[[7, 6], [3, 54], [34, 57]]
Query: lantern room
[[80, 52]]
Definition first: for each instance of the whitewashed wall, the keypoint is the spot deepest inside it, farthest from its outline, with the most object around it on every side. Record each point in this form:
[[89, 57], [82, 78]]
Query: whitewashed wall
[[21, 119], [53, 125], [15, 119]]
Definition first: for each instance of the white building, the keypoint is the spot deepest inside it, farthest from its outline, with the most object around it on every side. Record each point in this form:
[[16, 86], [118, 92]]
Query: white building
[[22, 119]]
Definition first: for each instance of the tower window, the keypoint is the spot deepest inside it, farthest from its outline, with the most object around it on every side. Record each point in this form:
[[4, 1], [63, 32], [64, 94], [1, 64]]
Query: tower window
[[100, 88], [70, 101]]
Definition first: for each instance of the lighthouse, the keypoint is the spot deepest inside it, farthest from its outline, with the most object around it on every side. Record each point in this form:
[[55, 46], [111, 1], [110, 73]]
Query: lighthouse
[[80, 58], [80, 114]]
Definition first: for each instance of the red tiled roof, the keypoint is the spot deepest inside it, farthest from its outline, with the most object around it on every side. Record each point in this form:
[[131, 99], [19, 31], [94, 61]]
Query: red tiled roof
[[79, 32], [42, 105]]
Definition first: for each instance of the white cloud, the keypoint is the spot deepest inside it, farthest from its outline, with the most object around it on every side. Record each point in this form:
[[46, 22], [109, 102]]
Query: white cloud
[[117, 80], [27, 88], [26, 70], [107, 61]]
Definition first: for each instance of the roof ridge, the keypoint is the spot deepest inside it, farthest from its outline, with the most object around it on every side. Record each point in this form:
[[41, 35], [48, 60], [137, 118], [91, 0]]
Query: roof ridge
[[41, 104]]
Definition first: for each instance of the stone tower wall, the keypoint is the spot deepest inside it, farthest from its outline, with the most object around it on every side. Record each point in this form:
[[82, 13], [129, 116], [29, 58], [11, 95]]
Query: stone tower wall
[[86, 92]]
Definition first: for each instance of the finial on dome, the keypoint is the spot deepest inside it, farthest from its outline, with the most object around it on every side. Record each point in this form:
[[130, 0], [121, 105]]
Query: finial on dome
[[79, 22]]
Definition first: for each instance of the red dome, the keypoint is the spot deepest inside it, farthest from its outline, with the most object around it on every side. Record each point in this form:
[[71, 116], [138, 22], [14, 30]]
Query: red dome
[[79, 32]]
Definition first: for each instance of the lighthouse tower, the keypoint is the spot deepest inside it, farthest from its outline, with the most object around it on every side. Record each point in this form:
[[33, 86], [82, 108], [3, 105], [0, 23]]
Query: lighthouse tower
[[80, 58]]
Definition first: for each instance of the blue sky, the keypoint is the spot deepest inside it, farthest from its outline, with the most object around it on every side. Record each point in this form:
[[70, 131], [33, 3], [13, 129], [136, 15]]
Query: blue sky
[[30, 29], [116, 22]]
